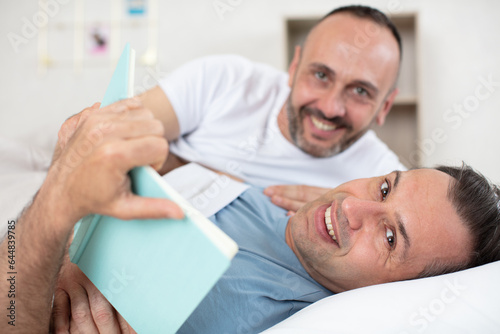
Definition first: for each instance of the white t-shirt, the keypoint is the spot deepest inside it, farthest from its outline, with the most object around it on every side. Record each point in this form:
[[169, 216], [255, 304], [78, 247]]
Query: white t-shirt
[[227, 108]]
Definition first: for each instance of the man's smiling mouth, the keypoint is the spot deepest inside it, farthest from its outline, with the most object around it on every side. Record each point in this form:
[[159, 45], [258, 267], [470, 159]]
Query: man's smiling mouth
[[319, 124], [328, 223]]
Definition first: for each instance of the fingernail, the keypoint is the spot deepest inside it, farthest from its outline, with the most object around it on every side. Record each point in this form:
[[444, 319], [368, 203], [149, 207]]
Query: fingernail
[[175, 213], [268, 192]]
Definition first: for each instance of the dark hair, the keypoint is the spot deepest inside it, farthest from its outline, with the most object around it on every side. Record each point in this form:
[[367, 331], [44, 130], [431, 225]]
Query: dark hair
[[372, 14], [477, 202]]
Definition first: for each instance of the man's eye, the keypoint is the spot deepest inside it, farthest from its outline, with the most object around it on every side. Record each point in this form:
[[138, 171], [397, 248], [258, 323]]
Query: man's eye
[[361, 91], [320, 75], [384, 190], [391, 238]]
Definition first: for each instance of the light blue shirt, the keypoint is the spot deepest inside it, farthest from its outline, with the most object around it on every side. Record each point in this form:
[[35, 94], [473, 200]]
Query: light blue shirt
[[265, 283]]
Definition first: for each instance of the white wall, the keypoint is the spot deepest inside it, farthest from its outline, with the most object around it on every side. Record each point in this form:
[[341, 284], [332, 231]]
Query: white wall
[[458, 45]]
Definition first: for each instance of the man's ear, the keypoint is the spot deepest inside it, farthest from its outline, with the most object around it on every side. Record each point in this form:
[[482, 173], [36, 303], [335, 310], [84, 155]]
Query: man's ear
[[386, 107], [293, 65]]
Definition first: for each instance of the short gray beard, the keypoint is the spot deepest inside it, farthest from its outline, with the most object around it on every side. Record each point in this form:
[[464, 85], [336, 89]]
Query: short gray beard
[[295, 121]]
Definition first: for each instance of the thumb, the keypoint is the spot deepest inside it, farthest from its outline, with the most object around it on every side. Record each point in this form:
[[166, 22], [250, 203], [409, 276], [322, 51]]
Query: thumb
[[137, 207]]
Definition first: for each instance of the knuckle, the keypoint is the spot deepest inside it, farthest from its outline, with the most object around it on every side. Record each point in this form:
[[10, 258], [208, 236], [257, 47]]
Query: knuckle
[[158, 127], [59, 294], [103, 316], [86, 117], [57, 312], [89, 123], [61, 134], [67, 127], [80, 315], [107, 152], [106, 126], [156, 147], [85, 113], [64, 127]]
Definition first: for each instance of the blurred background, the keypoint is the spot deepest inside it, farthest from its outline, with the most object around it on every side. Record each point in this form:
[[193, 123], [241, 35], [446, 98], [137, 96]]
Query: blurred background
[[58, 56]]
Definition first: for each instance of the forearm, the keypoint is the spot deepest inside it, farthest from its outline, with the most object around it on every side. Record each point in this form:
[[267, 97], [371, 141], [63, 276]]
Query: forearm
[[89, 174], [31, 256]]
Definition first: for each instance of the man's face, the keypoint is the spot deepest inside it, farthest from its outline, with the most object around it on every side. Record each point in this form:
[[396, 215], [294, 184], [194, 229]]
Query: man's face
[[340, 83], [387, 228]]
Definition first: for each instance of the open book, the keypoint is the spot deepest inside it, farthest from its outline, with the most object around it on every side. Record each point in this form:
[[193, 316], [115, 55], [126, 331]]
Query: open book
[[154, 272]]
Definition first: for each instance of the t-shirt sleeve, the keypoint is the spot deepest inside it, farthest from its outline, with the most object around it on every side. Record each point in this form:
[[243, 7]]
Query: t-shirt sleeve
[[193, 87]]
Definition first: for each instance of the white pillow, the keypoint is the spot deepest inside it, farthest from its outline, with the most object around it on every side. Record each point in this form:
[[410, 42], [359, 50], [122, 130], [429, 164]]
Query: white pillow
[[22, 170], [463, 302]]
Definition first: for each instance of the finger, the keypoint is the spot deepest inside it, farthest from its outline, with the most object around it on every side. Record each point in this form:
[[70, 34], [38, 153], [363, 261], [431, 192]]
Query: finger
[[131, 153], [136, 207], [86, 113], [122, 112], [103, 312], [301, 193], [127, 124], [80, 310], [290, 191], [96, 129], [67, 130], [287, 203], [298, 192], [121, 105], [71, 124], [124, 326], [73, 328], [290, 213], [132, 128], [61, 312]]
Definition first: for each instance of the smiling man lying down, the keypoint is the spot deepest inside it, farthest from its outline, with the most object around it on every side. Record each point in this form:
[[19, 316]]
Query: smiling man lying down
[[400, 226], [394, 227]]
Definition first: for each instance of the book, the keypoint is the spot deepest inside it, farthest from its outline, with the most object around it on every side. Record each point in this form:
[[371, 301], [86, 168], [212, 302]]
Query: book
[[154, 272]]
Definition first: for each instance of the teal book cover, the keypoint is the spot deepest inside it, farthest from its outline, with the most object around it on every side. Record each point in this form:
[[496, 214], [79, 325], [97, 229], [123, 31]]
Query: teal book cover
[[154, 272]]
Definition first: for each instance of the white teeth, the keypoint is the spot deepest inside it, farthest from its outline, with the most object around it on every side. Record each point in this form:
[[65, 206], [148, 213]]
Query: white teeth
[[321, 125], [328, 223]]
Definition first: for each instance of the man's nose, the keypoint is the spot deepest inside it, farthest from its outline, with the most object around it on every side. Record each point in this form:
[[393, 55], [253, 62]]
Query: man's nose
[[332, 103], [361, 213]]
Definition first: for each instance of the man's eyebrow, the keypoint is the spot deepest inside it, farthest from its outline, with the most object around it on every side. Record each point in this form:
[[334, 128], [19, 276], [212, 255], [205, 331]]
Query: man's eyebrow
[[404, 234], [399, 220], [396, 179], [323, 67]]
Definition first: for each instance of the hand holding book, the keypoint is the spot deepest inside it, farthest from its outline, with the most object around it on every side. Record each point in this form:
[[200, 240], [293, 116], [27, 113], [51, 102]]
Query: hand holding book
[[97, 148], [165, 265]]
